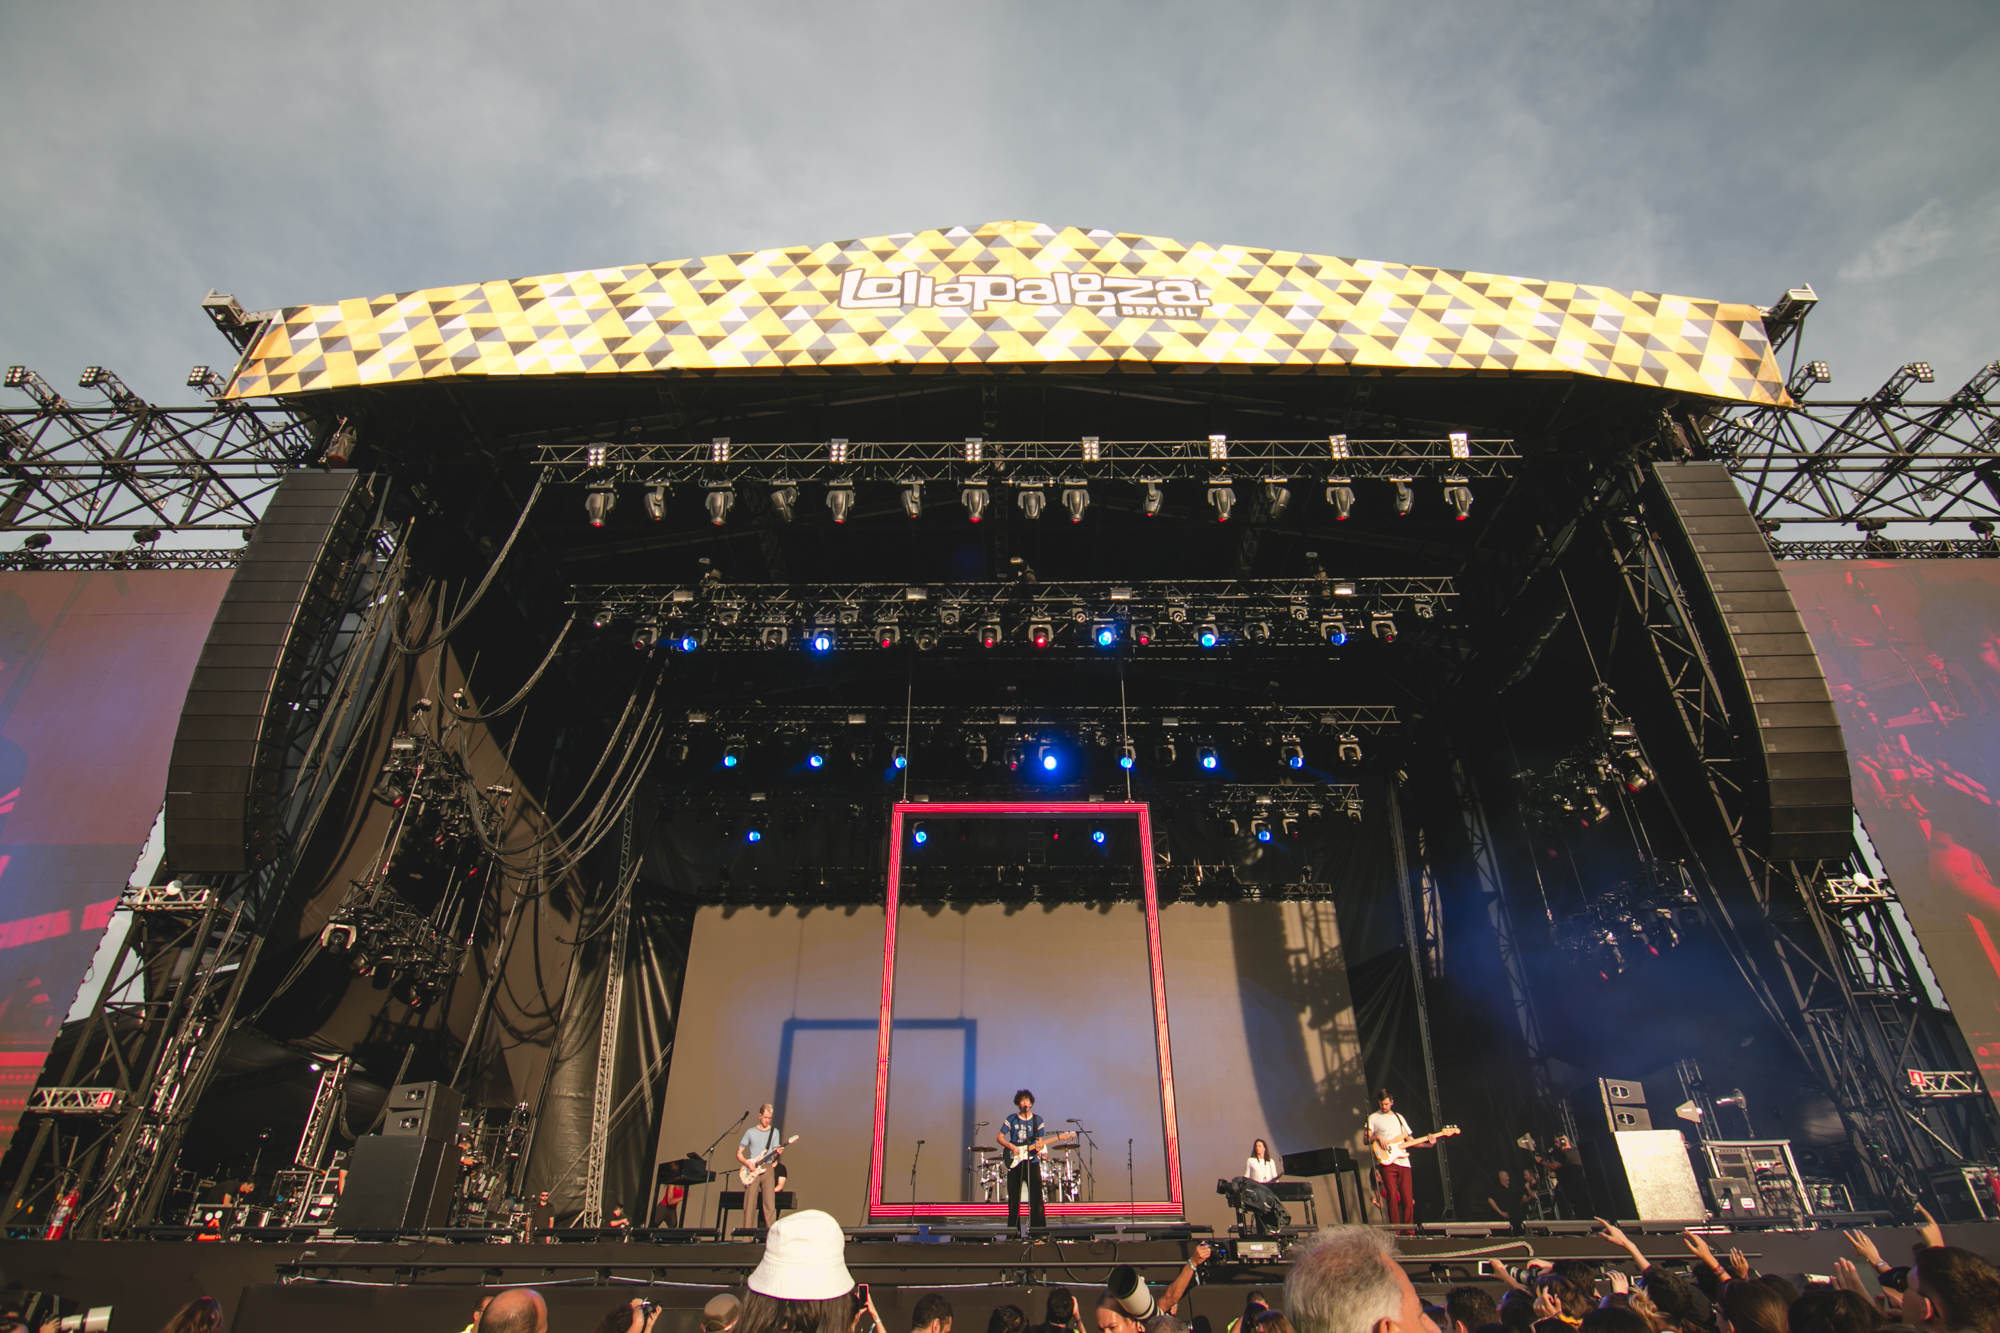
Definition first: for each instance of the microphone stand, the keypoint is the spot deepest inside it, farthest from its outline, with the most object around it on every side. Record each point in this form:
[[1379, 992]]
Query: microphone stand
[[1089, 1159], [709, 1166], [972, 1165], [1131, 1190], [913, 1170]]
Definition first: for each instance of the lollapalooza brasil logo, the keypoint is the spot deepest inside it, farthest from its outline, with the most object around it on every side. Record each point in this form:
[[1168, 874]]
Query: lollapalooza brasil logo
[[1181, 298]]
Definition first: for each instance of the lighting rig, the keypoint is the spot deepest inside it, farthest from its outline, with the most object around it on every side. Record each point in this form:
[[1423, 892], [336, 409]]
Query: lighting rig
[[1575, 792], [1631, 921], [1203, 615]]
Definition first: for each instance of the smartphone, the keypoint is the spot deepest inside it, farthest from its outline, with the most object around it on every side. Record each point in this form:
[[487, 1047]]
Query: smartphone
[[864, 1322]]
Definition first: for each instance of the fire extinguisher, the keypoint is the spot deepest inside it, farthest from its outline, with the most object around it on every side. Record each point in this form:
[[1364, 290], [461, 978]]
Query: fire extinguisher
[[60, 1215]]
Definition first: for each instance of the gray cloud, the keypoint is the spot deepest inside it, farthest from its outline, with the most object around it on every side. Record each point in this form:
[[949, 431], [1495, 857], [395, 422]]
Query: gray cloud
[[296, 154]]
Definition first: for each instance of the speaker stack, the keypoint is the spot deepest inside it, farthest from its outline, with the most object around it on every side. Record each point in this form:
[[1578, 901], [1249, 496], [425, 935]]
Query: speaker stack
[[1636, 1173], [402, 1179]]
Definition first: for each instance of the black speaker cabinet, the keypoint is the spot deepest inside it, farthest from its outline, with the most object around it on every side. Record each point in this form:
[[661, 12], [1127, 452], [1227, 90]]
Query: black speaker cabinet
[[397, 1182], [1610, 1106], [425, 1110], [1643, 1176]]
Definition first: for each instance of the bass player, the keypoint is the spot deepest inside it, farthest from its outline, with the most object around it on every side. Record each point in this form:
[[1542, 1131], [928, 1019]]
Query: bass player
[[758, 1151], [1024, 1135], [1391, 1138]]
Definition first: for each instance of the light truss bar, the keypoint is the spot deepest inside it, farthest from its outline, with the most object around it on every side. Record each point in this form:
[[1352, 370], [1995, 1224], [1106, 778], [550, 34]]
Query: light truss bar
[[78, 1101], [1026, 462], [1181, 722], [119, 560], [1927, 1083], [1882, 548]]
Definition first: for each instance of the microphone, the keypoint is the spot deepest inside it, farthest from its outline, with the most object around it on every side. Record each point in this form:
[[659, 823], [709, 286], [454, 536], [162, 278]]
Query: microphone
[[920, 1143], [1072, 1122]]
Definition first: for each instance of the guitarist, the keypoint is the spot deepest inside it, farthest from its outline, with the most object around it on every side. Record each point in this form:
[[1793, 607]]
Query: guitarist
[[1390, 1136], [1018, 1131], [758, 1143]]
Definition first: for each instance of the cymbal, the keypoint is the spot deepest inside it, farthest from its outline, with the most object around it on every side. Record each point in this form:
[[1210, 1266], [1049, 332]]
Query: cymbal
[[1063, 1147], [982, 1147]]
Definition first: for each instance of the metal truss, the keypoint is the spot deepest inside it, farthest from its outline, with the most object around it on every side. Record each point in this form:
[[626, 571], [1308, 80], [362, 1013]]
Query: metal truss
[[77, 1101], [128, 465], [144, 557], [1886, 548], [1026, 464], [993, 727], [1210, 614], [1883, 457]]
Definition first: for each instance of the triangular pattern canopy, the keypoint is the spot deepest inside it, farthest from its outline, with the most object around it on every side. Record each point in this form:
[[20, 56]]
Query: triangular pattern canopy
[[1017, 294]]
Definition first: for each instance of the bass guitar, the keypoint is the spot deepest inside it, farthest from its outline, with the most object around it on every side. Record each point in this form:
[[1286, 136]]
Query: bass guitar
[[1383, 1150], [750, 1174], [1016, 1156]]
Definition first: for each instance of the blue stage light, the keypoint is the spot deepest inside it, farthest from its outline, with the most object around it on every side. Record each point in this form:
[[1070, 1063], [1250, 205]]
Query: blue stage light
[[816, 760], [821, 641], [1126, 761], [1208, 757], [1297, 761], [1209, 636], [753, 836], [729, 761], [900, 757], [919, 835], [1263, 835], [1049, 762], [1097, 836], [1106, 636], [688, 643]]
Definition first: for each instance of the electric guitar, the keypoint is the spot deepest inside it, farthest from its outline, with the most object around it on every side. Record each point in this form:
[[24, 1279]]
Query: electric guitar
[[1016, 1156], [749, 1174], [1383, 1150]]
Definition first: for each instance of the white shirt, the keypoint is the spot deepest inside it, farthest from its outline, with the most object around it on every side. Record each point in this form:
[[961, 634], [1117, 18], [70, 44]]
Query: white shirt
[[1386, 1127], [1263, 1170]]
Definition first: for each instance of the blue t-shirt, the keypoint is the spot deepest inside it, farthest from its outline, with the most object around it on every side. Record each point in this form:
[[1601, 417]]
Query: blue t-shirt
[[756, 1142], [1019, 1131]]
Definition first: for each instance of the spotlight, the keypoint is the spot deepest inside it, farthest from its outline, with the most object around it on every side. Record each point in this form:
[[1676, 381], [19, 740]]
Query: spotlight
[[913, 498], [1165, 753], [1334, 631], [1032, 502], [989, 632], [1097, 836], [1257, 631], [1405, 497], [1012, 756], [1291, 753], [691, 639], [390, 794], [1459, 496], [773, 636], [821, 640], [836, 451], [919, 834], [598, 501], [1155, 496], [974, 498], [1350, 748], [732, 753], [1634, 771], [1076, 499], [1461, 444], [1224, 500], [1128, 755], [899, 757], [1105, 632], [887, 636], [754, 834], [783, 497], [656, 503], [1209, 635], [1277, 497], [1143, 632], [975, 751], [1046, 756], [721, 499], [927, 639], [859, 752], [1291, 826], [816, 758], [840, 500], [1260, 830], [599, 618], [1336, 447], [1208, 758], [645, 635], [1039, 633], [1341, 496], [1382, 627]]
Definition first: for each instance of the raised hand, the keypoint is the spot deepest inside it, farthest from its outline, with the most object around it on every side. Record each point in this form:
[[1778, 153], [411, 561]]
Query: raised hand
[[1848, 1278], [1738, 1265], [1620, 1284], [1933, 1233], [1699, 1248], [1546, 1304], [1864, 1247]]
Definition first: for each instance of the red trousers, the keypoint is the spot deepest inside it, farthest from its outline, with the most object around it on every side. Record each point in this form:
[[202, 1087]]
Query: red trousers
[[1397, 1195]]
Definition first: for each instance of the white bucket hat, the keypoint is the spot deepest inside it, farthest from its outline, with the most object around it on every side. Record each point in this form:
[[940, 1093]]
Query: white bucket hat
[[805, 1259]]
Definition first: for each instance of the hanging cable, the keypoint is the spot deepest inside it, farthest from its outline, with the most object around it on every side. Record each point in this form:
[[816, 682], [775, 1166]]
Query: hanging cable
[[522, 693], [477, 593]]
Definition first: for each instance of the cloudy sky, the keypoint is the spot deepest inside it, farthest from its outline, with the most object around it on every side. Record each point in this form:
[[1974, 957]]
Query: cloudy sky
[[292, 153]]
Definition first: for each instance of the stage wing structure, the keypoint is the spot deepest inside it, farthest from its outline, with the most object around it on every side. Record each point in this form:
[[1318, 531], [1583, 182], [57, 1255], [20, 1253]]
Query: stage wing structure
[[1017, 294]]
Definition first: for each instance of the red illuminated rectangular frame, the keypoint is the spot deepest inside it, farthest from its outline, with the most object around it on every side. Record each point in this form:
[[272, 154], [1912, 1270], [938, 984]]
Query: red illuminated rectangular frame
[[1169, 1207]]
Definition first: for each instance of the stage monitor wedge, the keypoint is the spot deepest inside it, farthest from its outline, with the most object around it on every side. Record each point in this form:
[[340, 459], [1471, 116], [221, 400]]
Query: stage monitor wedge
[[1804, 808], [224, 778]]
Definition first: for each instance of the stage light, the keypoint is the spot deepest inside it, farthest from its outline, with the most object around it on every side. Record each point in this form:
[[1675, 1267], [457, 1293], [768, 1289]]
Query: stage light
[[1291, 753], [1334, 631], [599, 618], [1090, 449], [975, 751], [1128, 755], [1032, 502], [721, 499], [1143, 632], [1257, 631], [1290, 826], [656, 503], [732, 753], [913, 498], [836, 451], [1382, 627], [1097, 836], [927, 639], [1208, 758], [1165, 753], [1260, 830], [975, 499], [1351, 807], [390, 794], [919, 834], [975, 448], [1076, 499], [773, 636], [1405, 497], [1345, 588], [691, 639], [645, 635], [1634, 771], [1461, 444], [1040, 632], [816, 759], [1048, 758], [821, 640], [1350, 748], [755, 834], [1277, 497], [598, 501], [1459, 496], [840, 500], [1012, 756], [1105, 633], [145, 536], [783, 497], [1218, 448], [887, 636], [1336, 447], [1154, 497], [1341, 496], [1209, 635], [1223, 499], [989, 633], [899, 757]]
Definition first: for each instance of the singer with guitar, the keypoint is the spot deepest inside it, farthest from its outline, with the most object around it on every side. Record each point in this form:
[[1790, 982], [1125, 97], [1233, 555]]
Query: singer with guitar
[[758, 1151], [1391, 1138], [1024, 1135]]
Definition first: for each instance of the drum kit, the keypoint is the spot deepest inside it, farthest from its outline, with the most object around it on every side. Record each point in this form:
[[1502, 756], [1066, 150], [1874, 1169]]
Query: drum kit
[[1062, 1174]]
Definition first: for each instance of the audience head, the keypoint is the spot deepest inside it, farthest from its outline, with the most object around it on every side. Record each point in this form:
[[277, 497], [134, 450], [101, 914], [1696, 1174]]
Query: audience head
[[1008, 1319], [203, 1314], [515, 1310], [1517, 1310], [1125, 1303], [1961, 1289], [1678, 1302], [1469, 1309], [1830, 1310], [802, 1284], [721, 1313], [629, 1317], [1615, 1319], [1346, 1280], [1254, 1306], [1786, 1291], [1273, 1321], [1750, 1306], [932, 1313], [1061, 1309], [1572, 1297]]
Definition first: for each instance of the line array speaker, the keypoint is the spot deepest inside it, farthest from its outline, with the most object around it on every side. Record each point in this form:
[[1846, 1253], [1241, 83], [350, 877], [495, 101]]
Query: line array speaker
[[425, 1110], [396, 1182], [1610, 1106], [1808, 807], [229, 753]]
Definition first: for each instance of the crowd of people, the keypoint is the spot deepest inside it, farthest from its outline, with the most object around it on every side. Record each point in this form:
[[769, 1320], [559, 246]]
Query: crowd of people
[[1344, 1279]]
